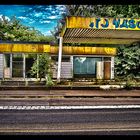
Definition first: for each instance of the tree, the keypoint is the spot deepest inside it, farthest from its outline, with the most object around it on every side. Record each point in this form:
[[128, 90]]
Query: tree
[[43, 67], [13, 30], [127, 61]]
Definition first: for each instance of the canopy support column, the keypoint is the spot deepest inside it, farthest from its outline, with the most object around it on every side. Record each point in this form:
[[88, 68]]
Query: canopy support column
[[11, 65], [112, 67], [24, 66], [59, 59]]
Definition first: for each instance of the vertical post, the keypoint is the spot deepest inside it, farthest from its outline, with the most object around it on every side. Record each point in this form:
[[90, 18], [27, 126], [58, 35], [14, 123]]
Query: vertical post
[[1, 65], [11, 61], [24, 65], [71, 59], [37, 66], [59, 59], [112, 67]]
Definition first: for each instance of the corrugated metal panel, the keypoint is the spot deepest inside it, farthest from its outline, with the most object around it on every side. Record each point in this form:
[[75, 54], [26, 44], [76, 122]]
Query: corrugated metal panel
[[98, 40], [102, 33], [1, 65], [66, 70], [78, 30]]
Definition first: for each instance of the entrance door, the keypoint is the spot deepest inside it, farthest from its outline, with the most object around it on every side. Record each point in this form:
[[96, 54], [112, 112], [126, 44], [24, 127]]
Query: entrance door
[[17, 65], [107, 70]]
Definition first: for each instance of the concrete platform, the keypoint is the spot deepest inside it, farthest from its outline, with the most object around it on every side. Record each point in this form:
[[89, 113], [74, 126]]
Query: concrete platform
[[44, 94]]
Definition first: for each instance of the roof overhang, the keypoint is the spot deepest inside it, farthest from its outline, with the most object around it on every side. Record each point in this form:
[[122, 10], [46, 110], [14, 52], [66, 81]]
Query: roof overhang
[[24, 48], [67, 50], [84, 50], [101, 30]]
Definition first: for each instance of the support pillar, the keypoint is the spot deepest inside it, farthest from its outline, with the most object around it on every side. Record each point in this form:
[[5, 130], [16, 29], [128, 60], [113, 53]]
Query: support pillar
[[1, 65], [37, 66], [112, 67], [71, 59], [24, 66], [59, 59], [11, 65]]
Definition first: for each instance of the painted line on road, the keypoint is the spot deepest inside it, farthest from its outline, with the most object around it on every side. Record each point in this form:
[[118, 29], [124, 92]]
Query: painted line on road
[[67, 107]]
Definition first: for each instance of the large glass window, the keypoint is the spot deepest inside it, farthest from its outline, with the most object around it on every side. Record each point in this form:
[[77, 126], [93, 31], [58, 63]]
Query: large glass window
[[85, 65]]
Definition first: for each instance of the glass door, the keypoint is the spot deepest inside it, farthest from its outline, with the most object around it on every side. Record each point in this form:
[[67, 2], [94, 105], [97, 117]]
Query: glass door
[[17, 65]]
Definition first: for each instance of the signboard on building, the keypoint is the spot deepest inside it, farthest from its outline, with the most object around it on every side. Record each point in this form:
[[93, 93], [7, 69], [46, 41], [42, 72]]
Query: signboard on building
[[103, 23]]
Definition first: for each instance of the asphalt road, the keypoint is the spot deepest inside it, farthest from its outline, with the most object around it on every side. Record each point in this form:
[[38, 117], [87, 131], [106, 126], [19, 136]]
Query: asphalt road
[[70, 122], [70, 101]]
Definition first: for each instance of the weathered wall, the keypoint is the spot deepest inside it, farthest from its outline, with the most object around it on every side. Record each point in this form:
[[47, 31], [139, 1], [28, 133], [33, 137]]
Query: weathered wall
[[66, 70]]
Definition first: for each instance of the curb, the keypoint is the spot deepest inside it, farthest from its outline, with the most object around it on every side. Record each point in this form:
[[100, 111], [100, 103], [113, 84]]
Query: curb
[[95, 87]]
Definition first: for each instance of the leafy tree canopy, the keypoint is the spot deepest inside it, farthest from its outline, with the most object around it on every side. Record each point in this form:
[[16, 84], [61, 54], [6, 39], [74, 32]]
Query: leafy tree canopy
[[13, 30]]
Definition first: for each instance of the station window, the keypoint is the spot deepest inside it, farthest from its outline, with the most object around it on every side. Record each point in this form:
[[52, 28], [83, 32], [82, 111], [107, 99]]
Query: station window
[[7, 60], [85, 65]]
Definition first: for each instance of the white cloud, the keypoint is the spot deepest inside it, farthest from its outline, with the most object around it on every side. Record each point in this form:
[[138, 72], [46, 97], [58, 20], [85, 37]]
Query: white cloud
[[7, 18], [31, 22], [61, 7], [47, 21], [52, 17], [21, 17], [49, 7], [53, 12], [37, 14]]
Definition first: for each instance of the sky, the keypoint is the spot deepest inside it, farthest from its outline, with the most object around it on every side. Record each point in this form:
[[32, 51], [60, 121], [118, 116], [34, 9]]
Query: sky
[[42, 17]]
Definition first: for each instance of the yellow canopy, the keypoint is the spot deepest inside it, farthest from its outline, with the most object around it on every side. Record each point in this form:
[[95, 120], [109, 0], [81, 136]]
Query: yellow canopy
[[101, 30]]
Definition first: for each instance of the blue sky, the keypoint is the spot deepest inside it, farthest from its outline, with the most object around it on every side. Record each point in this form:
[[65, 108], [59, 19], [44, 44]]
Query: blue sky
[[42, 17]]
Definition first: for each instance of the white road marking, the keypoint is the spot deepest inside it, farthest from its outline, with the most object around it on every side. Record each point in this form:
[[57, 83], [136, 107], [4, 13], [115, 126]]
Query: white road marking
[[67, 107]]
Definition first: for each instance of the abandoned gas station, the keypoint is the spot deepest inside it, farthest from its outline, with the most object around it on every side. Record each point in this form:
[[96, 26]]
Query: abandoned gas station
[[96, 61]]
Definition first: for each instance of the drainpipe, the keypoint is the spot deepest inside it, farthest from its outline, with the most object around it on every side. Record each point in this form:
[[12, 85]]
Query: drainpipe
[[59, 59]]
